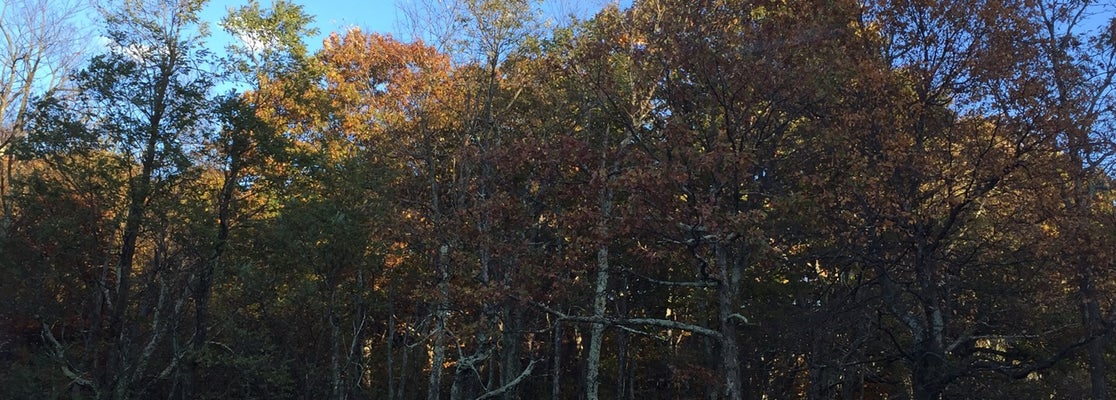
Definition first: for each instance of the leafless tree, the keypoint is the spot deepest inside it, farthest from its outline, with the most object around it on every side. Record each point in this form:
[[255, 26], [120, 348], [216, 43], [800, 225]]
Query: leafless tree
[[40, 41]]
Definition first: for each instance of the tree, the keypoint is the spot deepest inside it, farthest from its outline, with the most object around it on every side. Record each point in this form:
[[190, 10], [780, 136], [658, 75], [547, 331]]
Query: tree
[[140, 105], [1077, 63], [951, 194], [242, 146], [485, 35], [743, 99], [40, 45]]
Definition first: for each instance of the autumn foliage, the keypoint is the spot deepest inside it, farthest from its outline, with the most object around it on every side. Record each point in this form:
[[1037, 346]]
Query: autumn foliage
[[722, 199]]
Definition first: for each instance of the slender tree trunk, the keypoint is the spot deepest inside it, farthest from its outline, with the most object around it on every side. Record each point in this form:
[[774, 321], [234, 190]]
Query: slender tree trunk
[[357, 359], [204, 286], [1091, 314], [820, 384], [390, 356], [438, 359], [438, 352], [510, 367], [622, 365], [730, 350], [404, 373], [138, 195], [466, 380], [492, 375], [582, 360], [593, 361], [1093, 321], [139, 192], [96, 327], [713, 361], [927, 371], [335, 345], [6, 207], [1098, 368], [556, 363], [600, 291], [441, 270]]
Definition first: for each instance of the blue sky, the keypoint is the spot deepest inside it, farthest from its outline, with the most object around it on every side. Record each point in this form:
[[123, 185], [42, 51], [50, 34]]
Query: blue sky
[[329, 16], [381, 16]]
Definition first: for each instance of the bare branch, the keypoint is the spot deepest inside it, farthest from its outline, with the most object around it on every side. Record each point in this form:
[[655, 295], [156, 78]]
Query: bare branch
[[60, 356], [522, 375], [661, 323], [697, 284]]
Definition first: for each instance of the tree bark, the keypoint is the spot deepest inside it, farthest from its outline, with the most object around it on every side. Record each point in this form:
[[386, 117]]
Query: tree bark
[[403, 373], [512, 336], [600, 291], [556, 362], [335, 344], [730, 350], [390, 352], [438, 352], [593, 359], [6, 207], [1093, 321], [139, 193], [511, 384]]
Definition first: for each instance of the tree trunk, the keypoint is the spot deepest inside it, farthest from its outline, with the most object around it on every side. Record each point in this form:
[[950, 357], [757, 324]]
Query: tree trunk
[[926, 379], [403, 373], [438, 357], [438, 352], [1094, 324], [335, 345], [593, 361], [556, 363], [510, 367], [622, 388], [624, 376], [1098, 368], [466, 381], [204, 286], [390, 356], [600, 291], [6, 207], [730, 350], [138, 195]]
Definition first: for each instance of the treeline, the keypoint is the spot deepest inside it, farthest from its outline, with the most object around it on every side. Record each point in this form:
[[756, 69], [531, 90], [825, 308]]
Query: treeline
[[718, 199]]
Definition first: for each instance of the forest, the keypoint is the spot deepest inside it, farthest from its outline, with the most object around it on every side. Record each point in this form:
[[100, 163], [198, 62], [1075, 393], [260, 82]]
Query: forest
[[688, 199]]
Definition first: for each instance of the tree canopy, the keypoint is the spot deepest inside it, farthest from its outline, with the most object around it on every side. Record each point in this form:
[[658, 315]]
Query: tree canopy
[[720, 199]]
